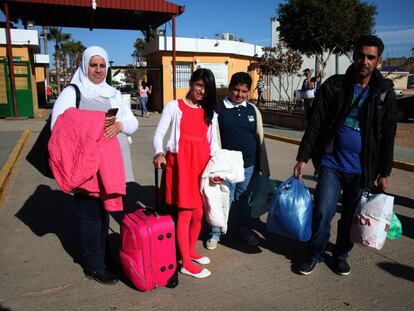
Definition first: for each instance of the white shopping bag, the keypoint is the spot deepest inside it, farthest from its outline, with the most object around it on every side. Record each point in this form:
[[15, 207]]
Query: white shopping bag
[[372, 220]]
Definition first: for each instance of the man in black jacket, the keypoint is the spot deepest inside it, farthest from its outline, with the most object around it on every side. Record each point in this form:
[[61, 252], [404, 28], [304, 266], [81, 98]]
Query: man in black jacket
[[350, 138]]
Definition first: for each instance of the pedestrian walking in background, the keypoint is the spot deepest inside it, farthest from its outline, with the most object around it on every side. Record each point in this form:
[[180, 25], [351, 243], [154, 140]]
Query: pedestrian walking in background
[[144, 92], [308, 92], [260, 87]]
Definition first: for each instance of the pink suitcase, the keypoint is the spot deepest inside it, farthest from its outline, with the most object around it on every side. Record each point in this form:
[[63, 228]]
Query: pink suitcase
[[147, 254]]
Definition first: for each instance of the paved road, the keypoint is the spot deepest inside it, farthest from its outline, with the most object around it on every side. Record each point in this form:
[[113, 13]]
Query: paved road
[[39, 253]]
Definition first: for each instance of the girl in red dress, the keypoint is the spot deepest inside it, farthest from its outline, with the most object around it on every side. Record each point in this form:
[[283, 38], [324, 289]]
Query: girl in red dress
[[193, 139]]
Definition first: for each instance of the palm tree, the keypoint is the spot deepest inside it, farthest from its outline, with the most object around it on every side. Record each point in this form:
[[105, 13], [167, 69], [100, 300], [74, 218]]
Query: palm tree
[[140, 44], [79, 48], [55, 34], [64, 52], [73, 50], [46, 51]]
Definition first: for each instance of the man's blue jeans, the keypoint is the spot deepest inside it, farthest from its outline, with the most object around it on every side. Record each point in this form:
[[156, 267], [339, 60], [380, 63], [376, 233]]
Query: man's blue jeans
[[240, 194], [327, 192]]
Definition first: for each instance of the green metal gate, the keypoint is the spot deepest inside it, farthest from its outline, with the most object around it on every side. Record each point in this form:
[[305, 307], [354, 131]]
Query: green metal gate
[[23, 84]]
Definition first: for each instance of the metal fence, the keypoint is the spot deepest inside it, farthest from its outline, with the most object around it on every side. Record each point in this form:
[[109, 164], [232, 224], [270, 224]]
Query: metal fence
[[296, 107]]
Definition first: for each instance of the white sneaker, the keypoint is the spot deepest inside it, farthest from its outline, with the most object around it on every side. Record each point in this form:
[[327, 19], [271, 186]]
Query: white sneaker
[[201, 275], [202, 261], [211, 244]]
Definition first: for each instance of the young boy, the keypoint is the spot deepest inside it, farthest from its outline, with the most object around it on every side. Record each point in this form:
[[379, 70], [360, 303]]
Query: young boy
[[241, 129]]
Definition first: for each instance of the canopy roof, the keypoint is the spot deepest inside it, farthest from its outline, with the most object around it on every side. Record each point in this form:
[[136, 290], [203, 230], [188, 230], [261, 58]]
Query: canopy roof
[[109, 14]]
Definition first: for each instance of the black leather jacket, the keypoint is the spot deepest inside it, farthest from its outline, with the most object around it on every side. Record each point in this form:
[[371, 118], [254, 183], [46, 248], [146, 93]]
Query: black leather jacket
[[332, 105]]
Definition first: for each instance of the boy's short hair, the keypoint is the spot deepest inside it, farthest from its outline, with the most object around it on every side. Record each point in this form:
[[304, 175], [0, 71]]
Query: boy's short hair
[[369, 40], [240, 78]]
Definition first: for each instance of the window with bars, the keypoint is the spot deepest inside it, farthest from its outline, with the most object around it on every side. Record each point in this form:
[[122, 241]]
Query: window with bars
[[183, 74]]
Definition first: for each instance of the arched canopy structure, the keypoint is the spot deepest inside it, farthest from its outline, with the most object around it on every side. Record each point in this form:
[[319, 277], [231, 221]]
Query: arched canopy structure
[[104, 14]]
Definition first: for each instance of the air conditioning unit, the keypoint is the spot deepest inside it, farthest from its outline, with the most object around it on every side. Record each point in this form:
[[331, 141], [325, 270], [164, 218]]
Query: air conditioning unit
[[227, 36]]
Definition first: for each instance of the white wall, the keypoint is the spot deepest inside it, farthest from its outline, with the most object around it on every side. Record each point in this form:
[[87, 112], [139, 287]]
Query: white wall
[[199, 45], [41, 59], [20, 36]]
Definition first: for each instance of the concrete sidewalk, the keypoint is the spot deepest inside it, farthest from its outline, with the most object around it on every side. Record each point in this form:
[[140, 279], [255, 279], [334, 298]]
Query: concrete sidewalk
[[39, 252]]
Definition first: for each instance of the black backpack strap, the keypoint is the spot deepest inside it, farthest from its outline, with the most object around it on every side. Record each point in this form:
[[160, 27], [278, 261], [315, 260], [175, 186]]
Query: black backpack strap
[[78, 94]]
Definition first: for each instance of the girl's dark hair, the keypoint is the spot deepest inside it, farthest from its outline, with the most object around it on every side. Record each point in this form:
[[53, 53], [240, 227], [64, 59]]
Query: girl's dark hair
[[209, 103]]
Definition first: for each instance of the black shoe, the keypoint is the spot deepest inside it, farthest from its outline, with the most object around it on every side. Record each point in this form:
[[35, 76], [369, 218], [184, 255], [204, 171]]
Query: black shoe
[[103, 277], [306, 267], [341, 267]]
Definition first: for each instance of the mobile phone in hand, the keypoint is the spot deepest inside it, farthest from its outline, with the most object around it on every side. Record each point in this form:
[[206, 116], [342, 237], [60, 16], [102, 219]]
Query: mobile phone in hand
[[111, 112]]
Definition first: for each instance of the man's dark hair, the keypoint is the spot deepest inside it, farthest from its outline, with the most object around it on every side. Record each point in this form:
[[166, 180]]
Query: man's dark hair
[[369, 40], [240, 78]]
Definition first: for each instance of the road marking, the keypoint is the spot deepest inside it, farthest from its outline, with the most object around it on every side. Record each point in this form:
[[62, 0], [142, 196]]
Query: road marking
[[8, 168]]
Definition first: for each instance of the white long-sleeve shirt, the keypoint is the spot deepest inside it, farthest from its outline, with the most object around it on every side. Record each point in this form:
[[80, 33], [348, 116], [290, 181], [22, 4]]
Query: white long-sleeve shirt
[[171, 118], [67, 99]]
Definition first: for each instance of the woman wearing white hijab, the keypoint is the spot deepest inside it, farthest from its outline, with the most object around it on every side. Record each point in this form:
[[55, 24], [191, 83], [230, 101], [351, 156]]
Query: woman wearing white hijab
[[97, 95]]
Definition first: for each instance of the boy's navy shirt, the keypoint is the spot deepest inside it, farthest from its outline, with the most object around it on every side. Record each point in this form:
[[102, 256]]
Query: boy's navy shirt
[[238, 130]]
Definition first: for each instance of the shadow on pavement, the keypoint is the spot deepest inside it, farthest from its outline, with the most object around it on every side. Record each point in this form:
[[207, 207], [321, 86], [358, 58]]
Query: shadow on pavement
[[398, 270], [291, 249], [52, 211], [407, 225], [403, 201], [135, 193]]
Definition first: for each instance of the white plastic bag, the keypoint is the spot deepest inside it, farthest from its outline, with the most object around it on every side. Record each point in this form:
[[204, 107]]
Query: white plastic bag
[[372, 220]]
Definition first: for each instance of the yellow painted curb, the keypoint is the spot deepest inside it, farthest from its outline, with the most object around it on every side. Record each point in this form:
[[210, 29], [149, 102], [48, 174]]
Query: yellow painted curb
[[7, 170], [282, 138], [406, 166]]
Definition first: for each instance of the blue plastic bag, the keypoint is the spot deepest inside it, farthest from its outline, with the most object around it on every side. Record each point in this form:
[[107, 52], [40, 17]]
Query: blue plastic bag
[[290, 213]]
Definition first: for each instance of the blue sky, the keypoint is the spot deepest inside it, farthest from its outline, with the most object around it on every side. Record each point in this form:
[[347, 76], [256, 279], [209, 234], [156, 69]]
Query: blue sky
[[249, 20]]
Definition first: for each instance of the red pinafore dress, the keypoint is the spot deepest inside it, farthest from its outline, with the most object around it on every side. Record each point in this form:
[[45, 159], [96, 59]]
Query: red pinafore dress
[[184, 169]]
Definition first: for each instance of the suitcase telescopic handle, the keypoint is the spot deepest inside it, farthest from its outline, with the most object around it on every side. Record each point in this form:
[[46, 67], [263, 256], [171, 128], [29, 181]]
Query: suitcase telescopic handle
[[157, 186]]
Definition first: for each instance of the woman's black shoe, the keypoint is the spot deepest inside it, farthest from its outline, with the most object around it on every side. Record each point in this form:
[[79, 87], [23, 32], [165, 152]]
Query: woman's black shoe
[[103, 277]]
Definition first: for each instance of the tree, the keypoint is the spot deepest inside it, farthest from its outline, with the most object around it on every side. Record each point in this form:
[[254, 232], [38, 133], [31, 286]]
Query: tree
[[324, 26], [55, 34], [73, 50], [45, 33], [133, 76], [282, 62], [140, 44]]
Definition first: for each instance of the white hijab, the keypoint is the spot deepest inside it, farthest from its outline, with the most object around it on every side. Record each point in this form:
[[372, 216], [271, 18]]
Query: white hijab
[[80, 78]]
